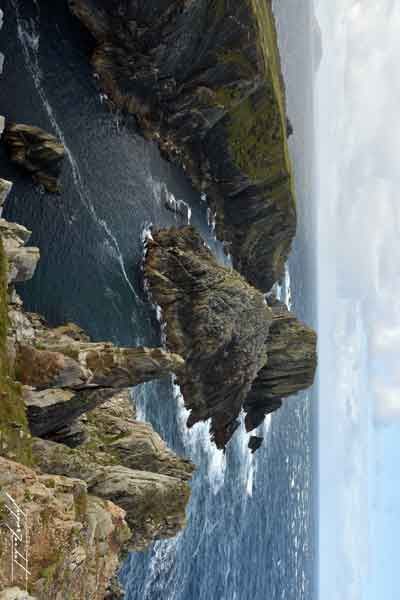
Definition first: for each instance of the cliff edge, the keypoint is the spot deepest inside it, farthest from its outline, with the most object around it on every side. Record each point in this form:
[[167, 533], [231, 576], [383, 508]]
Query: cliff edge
[[203, 79]]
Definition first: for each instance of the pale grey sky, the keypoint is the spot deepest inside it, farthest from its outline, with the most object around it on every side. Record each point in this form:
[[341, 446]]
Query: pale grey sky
[[358, 150]]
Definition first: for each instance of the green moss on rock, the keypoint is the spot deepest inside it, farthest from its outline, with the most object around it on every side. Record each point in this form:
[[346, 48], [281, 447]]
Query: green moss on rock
[[14, 433]]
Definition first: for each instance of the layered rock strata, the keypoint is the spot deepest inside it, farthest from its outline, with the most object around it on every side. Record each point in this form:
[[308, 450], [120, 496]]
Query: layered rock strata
[[125, 461], [239, 352], [215, 320], [204, 80], [95, 476], [37, 152], [292, 362]]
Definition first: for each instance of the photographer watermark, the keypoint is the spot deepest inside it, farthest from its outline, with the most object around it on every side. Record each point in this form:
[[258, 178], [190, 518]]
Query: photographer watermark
[[14, 525]]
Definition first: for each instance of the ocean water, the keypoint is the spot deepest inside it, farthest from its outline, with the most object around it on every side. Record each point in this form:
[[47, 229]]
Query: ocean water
[[251, 520]]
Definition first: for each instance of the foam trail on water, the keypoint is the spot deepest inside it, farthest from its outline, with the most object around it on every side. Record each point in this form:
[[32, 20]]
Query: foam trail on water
[[197, 442], [30, 40]]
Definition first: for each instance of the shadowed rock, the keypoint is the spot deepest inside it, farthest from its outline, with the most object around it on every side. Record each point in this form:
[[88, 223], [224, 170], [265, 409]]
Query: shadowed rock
[[254, 443], [203, 79], [53, 409], [36, 151], [292, 362], [215, 320]]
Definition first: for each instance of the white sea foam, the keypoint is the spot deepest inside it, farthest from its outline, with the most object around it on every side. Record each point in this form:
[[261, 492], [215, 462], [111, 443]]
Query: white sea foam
[[198, 444]]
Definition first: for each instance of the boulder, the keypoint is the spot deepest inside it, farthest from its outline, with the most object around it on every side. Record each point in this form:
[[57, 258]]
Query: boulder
[[155, 504], [37, 152], [14, 593], [255, 443], [112, 428]]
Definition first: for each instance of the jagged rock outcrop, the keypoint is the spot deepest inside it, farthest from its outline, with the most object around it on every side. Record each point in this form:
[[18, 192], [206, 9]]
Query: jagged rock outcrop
[[37, 152], [127, 462], [112, 428], [65, 375], [204, 80], [75, 539], [215, 320], [292, 362], [239, 352]]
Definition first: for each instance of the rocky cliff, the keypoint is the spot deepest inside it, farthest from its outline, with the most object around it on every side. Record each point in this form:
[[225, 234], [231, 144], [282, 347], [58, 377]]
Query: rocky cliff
[[239, 353], [203, 78], [94, 482], [291, 366]]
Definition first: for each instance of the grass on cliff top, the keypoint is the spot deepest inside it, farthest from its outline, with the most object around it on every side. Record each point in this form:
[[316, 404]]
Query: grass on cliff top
[[258, 128], [14, 441], [269, 44]]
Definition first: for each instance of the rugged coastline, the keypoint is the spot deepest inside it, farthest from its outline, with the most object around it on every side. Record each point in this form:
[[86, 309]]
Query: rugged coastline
[[112, 478], [203, 80], [69, 440]]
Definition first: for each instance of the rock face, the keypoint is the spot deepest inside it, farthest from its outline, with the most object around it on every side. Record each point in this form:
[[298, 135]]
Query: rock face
[[125, 461], [211, 94], [292, 362], [239, 352], [50, 378], [36, 151], [75, 538], [66, 375], [215, 320]]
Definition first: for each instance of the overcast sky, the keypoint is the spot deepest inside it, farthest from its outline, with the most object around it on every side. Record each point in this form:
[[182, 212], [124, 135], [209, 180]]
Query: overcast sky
[[358, 149]]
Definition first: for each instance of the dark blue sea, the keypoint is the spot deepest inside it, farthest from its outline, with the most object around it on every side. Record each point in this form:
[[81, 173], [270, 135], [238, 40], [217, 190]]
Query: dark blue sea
[[251, 523]]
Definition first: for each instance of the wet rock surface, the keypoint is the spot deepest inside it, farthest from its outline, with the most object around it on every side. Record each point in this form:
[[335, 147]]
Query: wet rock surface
[[37, 152]]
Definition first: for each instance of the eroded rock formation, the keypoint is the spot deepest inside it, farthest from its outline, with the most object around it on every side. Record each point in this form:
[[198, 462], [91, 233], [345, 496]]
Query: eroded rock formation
[[125, 461], [292, 362], [215, 320], [239, 352], [37, 152], [98, 473], [204, 80]]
